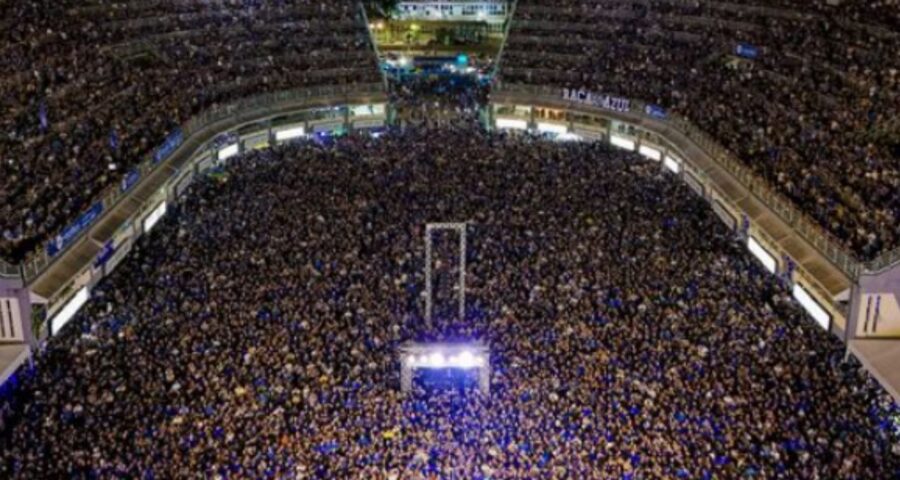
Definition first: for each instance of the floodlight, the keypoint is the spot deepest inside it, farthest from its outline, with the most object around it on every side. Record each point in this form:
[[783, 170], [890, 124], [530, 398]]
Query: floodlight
[[436, 359], [471, 356]]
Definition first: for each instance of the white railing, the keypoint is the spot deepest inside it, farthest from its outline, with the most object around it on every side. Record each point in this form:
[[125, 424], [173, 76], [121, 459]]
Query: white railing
[[9, 270], [884, 261]]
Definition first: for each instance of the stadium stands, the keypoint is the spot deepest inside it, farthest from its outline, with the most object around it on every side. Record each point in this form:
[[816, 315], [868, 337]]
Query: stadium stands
[[252, 327], [805, 93], [91, 88], [252, 333]]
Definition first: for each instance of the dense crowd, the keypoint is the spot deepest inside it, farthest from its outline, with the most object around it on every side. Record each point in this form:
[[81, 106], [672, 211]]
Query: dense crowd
[[811, 103], [89, 89], [438, 98], [253, 334]]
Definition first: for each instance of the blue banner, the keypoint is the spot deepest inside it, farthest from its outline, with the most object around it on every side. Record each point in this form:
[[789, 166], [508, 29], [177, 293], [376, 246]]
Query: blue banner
[[746, 50], [655, 111], [105, 254], [607, 102], [70, 233], [168, 147], [113, 139], [131, 178]]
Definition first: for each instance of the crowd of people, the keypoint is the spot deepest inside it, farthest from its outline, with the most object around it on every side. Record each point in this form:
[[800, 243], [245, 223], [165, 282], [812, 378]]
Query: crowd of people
[[810, 102], [89, 89], [253, 333], [438, 98]]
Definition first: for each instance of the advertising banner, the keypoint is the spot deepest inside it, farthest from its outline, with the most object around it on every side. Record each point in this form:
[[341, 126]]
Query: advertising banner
[[70, 233], [607, 102]]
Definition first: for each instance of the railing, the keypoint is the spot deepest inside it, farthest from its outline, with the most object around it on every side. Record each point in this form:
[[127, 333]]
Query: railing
[[508, 27], [883, 261], [38, 262], [815, 235], [365, 17], [8, 270], [822, 240]]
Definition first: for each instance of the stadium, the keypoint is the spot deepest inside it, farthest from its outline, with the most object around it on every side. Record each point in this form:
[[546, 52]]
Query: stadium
[[450, 239]]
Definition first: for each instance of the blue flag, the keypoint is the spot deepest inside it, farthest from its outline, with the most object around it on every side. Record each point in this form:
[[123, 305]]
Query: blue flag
[[746, 50], [42, 116]]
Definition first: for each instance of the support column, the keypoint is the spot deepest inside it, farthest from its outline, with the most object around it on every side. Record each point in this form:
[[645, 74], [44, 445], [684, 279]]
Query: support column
[[462, 273], [405, 377], [484, 377], [428, 284], [460, 228], [15, 314]]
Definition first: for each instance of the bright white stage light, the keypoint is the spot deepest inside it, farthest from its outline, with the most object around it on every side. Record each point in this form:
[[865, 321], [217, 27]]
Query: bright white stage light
[[465, 359], [474, 357], [436, 360]]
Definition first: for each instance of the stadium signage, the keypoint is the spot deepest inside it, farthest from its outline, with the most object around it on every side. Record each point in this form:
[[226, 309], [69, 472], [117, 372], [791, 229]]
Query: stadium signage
[[655, 111], [130, 180], [70, 233], [173, 141], [109, 248], [606, 102]]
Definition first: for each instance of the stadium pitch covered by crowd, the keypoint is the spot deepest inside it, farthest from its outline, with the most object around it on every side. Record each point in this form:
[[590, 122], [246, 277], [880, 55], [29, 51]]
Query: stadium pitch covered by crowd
[[267, 321], [252, 334]]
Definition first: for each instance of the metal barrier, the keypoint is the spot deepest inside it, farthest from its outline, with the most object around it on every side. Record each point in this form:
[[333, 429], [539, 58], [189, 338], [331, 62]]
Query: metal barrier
[[884, 261], [9, 270], [822, 240], [40, 260]]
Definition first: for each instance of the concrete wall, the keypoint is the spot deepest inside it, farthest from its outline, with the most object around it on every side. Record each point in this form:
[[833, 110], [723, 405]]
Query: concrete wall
[[875, 307]]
